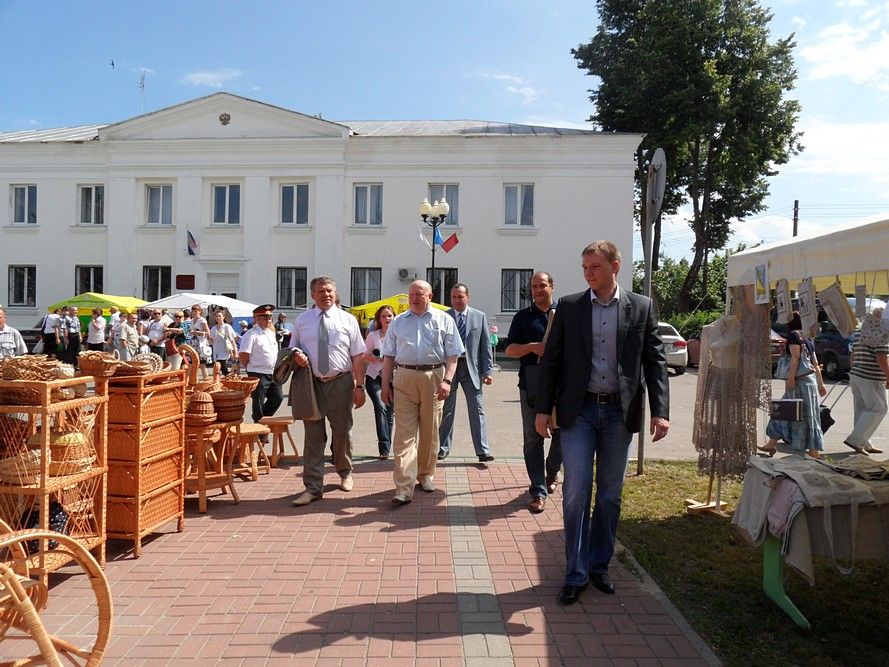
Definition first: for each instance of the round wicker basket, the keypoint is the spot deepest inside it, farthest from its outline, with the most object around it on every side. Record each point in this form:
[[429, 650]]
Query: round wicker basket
[[21, 468]]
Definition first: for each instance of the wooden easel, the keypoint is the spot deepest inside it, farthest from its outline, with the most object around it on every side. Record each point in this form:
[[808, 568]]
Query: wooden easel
[[712, 506]]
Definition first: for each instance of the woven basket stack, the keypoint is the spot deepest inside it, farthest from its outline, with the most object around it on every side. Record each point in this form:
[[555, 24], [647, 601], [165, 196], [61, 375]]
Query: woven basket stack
[[245, 385], [70, 453], [21, 468], [200, 410], [141, 364], [34, 367], [229, 405]]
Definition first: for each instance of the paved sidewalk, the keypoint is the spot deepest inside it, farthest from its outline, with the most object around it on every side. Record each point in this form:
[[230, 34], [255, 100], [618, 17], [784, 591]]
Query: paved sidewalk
[[464, 575]]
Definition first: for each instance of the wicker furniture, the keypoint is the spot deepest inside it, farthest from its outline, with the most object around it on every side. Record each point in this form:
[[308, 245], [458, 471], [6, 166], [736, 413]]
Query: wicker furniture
[[209, 452], [246, 461], [22, 598], [146, 454], [53, 466], [280, 426]]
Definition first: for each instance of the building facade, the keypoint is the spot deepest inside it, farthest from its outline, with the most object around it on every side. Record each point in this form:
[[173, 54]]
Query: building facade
[[227, 195]]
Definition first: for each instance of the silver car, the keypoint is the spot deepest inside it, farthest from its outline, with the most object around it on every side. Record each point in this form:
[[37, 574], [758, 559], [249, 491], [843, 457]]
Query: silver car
[[675, 347]]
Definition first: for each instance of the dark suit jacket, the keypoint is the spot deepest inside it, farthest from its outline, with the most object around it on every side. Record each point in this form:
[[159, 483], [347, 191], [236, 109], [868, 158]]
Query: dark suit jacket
[[569, 350], [479, 356]]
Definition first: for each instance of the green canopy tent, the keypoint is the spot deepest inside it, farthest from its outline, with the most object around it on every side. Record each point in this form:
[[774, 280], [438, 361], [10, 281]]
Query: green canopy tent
[[88, 300]]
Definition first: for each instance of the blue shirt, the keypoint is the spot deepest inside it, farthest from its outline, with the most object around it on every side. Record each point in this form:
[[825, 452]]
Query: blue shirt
[[603, 375], [429, 338]]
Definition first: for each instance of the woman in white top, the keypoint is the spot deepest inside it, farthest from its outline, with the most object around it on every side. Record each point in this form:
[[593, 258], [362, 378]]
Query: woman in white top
[[200, 338], [383, 414], [222, 338], [95, 335]]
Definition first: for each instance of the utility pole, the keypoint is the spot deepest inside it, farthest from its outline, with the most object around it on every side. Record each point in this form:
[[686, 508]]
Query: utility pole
[[795, 216]]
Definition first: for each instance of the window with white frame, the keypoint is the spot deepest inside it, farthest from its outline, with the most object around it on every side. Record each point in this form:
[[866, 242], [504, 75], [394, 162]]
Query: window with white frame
[[369, 204], [159, 204], [24, 204], [442, 281], [92, 205], [519, 209], [515, 289], [295, 204], [22, 286], [227, 204], [156, 282], [88, 279], [366, 283], [451, 192], [292, 287]]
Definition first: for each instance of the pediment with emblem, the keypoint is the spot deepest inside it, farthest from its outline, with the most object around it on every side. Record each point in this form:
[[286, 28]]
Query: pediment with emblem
[[223, 116]]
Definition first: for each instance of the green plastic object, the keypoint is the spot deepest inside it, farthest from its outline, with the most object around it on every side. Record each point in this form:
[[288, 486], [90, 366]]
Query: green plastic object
[[773, 581]]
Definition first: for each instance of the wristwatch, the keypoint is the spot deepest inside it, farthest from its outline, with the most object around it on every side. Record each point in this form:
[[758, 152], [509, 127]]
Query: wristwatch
[[359, 386], [446, 381]]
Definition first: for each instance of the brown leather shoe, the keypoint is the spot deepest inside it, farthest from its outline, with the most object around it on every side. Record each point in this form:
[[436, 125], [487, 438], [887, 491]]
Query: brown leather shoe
[[537, 505], [552, 481]]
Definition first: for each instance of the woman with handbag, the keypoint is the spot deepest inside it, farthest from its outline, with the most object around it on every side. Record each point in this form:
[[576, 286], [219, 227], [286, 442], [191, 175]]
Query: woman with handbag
[[384, 415], [222, 338], [802, 375], [200, 338]]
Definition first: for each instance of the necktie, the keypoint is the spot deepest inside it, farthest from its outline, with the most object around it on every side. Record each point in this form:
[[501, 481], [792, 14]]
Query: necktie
[[461, 326], [323, 351]]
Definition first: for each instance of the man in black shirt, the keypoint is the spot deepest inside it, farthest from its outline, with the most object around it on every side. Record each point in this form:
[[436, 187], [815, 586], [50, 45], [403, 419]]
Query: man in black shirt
[[526, 344]]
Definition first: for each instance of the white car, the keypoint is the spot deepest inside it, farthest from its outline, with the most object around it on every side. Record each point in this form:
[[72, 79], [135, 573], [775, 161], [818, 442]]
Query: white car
[[675, 347]]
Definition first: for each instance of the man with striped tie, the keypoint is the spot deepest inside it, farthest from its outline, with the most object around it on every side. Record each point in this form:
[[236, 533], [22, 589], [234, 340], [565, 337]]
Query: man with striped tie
[[474, 370]]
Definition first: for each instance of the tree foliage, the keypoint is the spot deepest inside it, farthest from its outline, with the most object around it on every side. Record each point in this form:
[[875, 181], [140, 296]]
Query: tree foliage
[[668, 286], [703, 81]]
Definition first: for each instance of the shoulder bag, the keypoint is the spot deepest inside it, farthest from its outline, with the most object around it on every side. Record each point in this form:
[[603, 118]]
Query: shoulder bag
[[534, 372]]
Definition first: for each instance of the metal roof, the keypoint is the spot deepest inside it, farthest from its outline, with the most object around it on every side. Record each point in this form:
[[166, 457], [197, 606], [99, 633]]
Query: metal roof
[[360, 128]]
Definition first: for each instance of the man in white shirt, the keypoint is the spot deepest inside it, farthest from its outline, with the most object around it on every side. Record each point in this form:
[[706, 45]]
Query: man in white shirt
[[329, 340], [258, 352], [50, 337], [11, 342]]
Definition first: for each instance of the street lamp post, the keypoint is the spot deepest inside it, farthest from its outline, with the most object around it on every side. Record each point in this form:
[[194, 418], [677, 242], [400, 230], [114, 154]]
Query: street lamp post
[[434, 215]]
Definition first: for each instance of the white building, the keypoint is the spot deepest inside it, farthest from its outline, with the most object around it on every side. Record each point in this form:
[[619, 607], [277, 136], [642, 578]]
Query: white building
[[273, 197]]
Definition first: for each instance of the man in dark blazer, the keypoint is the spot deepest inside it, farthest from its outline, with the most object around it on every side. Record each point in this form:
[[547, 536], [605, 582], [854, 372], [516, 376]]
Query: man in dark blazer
[[474, 369], [602, 353]]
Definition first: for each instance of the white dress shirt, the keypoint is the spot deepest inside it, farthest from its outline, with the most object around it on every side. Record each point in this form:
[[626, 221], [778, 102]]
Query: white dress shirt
[[262, 346], [343, 338]]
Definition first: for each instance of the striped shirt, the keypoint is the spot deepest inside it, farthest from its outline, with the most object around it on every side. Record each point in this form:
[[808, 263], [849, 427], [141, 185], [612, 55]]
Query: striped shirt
[[864, 360]]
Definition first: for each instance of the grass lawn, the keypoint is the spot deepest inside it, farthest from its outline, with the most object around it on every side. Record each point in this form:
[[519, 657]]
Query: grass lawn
[[715, 579]]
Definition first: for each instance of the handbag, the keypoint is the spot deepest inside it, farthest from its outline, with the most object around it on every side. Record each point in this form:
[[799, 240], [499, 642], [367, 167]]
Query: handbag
[[38, 348], [803, 368]]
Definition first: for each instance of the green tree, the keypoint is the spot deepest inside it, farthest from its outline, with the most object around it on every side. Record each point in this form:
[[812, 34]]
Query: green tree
[[702, 80], [668, 286]]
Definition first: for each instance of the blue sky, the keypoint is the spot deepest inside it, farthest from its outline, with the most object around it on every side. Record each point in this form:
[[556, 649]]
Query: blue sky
[[489, 60]]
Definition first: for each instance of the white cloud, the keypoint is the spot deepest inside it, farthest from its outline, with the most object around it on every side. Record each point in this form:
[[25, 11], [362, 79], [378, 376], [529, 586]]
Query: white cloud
[[798, 22], [515, 85], [856, 51], [855, 150], [211, 78]]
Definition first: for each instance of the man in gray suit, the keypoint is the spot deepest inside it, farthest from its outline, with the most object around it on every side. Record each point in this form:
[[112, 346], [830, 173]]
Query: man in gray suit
[[602, 353], [474, 369]]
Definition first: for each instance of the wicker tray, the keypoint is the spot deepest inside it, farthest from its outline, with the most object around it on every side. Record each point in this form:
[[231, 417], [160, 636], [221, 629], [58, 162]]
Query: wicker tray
[[22, 468]]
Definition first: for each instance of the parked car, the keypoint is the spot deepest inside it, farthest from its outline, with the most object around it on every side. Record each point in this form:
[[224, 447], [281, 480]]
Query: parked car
[[32, 335], [675, 347], [834, 352]]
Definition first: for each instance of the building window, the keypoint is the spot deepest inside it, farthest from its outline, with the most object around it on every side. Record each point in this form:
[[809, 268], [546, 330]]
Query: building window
[[292, 287], [366, 283], [295, 204], [92, 205], [368, 204], [156, 282], [22, 286], [24, 203], [451, 192], [88, 279], [442, 282], [515, 289], [519, 205], [160, 204], [227, 204]]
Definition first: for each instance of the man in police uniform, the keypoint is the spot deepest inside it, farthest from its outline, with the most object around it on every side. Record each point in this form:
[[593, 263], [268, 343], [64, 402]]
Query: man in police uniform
[[258, 352]]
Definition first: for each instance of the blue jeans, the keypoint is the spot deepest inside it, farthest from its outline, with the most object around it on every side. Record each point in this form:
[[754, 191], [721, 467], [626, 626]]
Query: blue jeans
[[383, 414], [476, 407], [538, 467], [598, 435]]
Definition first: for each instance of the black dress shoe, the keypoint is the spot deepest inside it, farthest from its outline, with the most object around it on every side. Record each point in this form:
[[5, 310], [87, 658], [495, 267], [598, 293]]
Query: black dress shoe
[[603, 583], [442, 456], [486, 458], [570, 594]]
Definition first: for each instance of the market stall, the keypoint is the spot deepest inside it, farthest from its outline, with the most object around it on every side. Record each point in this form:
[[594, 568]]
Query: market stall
[[182, 300]]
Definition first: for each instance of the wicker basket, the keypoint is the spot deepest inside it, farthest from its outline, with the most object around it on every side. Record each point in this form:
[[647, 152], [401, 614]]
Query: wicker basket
[[22, 468], [70, 466], [33, 368], [99, 364], [199, 419], [246, 385], [127, 368]]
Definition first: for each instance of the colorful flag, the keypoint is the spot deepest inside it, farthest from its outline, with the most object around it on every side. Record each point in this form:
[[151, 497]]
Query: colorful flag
[[436, 237], [192, 244], [425, 240], [449, 244]]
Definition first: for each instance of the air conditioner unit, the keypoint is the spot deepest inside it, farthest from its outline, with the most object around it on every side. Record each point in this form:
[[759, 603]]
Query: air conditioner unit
[[407, 274]]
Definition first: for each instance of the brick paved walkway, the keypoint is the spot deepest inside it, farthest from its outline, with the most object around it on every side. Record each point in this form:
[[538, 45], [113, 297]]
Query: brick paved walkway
[[464, 575]]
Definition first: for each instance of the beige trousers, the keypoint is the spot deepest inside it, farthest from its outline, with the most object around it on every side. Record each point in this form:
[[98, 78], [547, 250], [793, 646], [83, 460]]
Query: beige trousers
[[417, 418]]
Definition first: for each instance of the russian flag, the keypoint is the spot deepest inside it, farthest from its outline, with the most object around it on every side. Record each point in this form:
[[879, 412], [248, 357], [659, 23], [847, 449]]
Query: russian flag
[[192, 244]]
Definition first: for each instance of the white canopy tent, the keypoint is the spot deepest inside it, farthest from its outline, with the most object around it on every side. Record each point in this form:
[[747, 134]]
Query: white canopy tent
[[236, 307], [855, 254]]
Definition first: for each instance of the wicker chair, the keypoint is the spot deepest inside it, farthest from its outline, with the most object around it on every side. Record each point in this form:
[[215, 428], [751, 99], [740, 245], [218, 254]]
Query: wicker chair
[[22, 598]]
